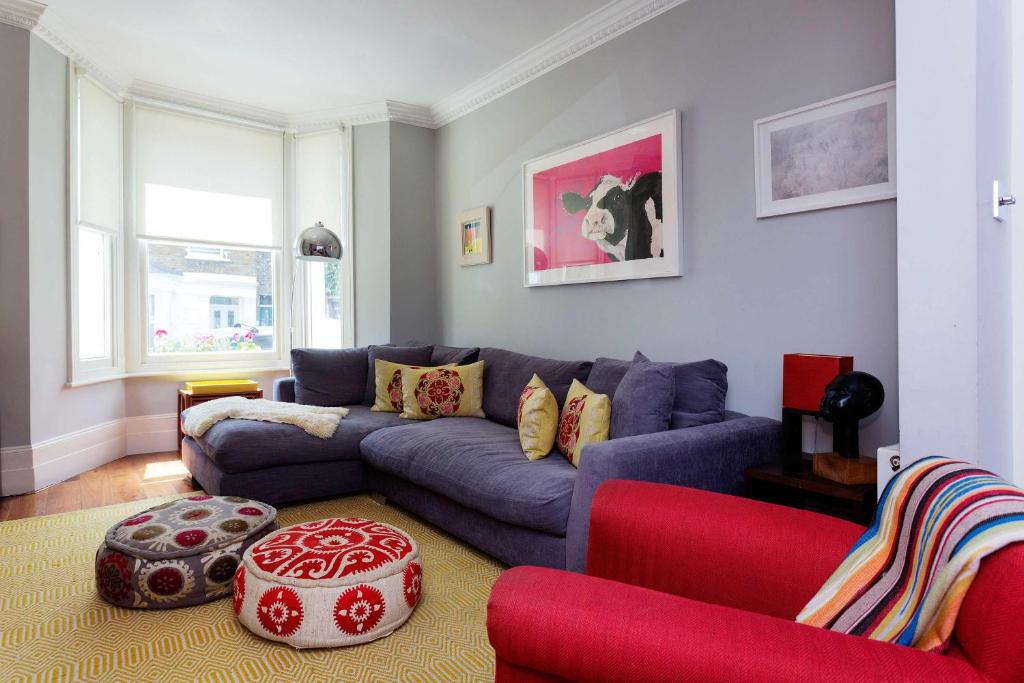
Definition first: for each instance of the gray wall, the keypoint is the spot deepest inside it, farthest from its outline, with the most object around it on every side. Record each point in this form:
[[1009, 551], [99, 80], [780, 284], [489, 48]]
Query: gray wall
[[56, 409], [822, 281], [414, 313], [371, 232], [14, 215]]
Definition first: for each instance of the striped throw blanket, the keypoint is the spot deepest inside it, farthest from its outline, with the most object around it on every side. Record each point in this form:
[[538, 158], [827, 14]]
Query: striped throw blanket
[[905, 578]]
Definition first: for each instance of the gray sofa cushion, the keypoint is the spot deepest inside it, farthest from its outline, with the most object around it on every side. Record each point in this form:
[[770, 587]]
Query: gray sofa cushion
[[329, 377], [478, 464], [507, 372], [443, 355], [642, 403], [407, 355], [247, 445], [606, 374], [700, 393]]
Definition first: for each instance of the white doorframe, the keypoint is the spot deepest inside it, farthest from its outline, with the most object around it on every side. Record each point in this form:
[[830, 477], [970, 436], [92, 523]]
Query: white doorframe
[[1017, 240]]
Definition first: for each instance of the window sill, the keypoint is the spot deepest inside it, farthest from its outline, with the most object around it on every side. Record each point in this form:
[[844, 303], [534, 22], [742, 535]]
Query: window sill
[[180, 374]]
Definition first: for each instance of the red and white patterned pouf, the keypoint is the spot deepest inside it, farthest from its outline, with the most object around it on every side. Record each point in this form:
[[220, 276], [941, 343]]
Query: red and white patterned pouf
[[328, 583]]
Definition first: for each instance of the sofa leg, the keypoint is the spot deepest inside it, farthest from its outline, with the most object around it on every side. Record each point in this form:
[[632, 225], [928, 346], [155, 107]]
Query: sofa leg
[[379, 498]]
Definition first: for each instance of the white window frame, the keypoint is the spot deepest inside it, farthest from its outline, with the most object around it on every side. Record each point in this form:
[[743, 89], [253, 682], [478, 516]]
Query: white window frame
[[112, 365], [303, 332], [140, 360], [129, 347]]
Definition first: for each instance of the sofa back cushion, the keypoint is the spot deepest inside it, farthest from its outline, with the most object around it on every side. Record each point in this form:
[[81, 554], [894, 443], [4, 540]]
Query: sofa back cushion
[[506, 373], [406, 355], [643, 400], [330, 377], [700, 393], [606, 375], [460, 355]]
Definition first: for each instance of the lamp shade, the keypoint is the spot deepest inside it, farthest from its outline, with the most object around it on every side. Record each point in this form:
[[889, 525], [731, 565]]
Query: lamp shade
[[317, 243]]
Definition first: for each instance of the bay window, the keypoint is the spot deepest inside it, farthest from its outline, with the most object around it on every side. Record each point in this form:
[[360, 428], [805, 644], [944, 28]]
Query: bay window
[[180, 229]]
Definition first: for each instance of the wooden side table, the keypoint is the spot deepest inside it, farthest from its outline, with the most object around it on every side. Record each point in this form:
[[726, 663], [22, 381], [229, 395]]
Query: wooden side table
[[801, 487], [186, 399]]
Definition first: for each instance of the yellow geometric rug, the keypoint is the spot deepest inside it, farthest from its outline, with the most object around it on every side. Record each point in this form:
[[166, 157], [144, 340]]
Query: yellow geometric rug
[[53, 626]]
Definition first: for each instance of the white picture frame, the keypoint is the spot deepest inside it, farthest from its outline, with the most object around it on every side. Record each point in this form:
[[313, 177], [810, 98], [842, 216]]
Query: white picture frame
[[667, 128], [474, 235], [803, 159]]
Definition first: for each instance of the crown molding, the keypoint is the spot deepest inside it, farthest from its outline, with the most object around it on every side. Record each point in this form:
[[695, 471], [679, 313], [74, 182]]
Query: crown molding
[[145, 92], [359, 114], [412, 114], [593, 30], [51, 30], [21, 13], [578, 38], [351, 115]]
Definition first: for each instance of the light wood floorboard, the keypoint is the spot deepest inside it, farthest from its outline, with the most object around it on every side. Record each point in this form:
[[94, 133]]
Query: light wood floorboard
[[133, 477]]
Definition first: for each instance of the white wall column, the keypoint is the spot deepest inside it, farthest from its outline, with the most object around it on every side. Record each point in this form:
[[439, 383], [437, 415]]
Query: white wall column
[[955, 355]]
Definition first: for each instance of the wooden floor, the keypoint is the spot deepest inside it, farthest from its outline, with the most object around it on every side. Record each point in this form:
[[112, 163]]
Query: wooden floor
[[133, 477]]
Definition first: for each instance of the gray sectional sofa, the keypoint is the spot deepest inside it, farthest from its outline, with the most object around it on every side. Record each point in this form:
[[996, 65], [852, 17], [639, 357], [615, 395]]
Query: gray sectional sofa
[[469, 475]]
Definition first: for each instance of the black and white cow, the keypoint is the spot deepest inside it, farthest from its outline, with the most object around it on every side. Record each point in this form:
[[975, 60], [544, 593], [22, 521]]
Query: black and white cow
[[624, 219]]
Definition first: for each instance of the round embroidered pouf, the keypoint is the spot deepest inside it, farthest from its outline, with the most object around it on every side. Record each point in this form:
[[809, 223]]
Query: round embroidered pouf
[[329, 583], [180, 553]]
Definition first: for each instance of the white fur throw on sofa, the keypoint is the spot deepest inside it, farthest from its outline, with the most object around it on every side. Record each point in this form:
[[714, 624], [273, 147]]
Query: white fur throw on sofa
[[314, 420]]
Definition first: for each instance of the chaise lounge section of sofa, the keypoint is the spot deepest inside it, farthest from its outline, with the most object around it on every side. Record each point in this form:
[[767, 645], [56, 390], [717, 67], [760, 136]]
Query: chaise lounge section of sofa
[[468, 475]]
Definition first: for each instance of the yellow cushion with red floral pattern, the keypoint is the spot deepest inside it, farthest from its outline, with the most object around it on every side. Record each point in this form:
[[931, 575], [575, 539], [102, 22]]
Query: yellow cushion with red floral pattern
[[387, 377], [452, 391], [537, 419], [585, 420]]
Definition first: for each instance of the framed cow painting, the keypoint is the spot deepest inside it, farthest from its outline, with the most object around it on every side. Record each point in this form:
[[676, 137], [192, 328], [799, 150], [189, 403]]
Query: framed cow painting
[[605, 209]]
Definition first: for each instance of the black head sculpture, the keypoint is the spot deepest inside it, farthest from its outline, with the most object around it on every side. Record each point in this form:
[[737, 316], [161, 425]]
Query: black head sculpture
[[852, 396], [849, 398]]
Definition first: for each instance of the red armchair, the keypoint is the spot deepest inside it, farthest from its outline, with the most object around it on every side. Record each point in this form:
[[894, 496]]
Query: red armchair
[[687, 585]]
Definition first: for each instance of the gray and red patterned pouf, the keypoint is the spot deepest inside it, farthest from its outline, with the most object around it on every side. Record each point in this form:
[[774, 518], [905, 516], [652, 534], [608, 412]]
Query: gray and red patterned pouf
[[180, 553], [329, 583]]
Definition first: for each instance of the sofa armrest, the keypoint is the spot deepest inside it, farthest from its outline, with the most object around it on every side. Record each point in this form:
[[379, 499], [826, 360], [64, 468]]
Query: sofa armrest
[[571, 627], [284, 389], [753, 556], [711, 457]]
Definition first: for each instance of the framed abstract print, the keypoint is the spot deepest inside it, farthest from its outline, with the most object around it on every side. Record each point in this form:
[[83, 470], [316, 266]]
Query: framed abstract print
[[475, 237], [832, 153]]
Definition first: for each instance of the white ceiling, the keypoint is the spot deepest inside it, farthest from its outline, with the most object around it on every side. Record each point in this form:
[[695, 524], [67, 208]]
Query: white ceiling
[[309, 55]]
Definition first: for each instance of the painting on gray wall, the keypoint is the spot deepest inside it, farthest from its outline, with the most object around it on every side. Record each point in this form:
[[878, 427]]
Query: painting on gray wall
[[832, 153], [606, 208]]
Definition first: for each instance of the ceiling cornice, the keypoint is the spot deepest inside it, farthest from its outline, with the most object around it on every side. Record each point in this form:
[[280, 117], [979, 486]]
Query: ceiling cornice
[[144, 90], [593, 30], [359, 114], [54, 32], [21, 13]]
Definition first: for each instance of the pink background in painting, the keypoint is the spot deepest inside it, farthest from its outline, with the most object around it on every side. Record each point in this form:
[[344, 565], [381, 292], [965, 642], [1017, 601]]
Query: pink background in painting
[[557, 237]]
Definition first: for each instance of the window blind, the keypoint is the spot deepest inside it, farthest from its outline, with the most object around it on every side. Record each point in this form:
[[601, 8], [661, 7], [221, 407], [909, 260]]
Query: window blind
[[203, 180], [99, 150], [318, 180]]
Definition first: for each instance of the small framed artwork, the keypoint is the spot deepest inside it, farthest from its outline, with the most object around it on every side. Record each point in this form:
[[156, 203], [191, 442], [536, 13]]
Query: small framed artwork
[[832, 153], [475, 236], [605, 209]]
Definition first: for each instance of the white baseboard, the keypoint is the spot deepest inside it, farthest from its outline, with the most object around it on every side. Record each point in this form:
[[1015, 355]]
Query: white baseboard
[[151, 433], [28, 468]]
